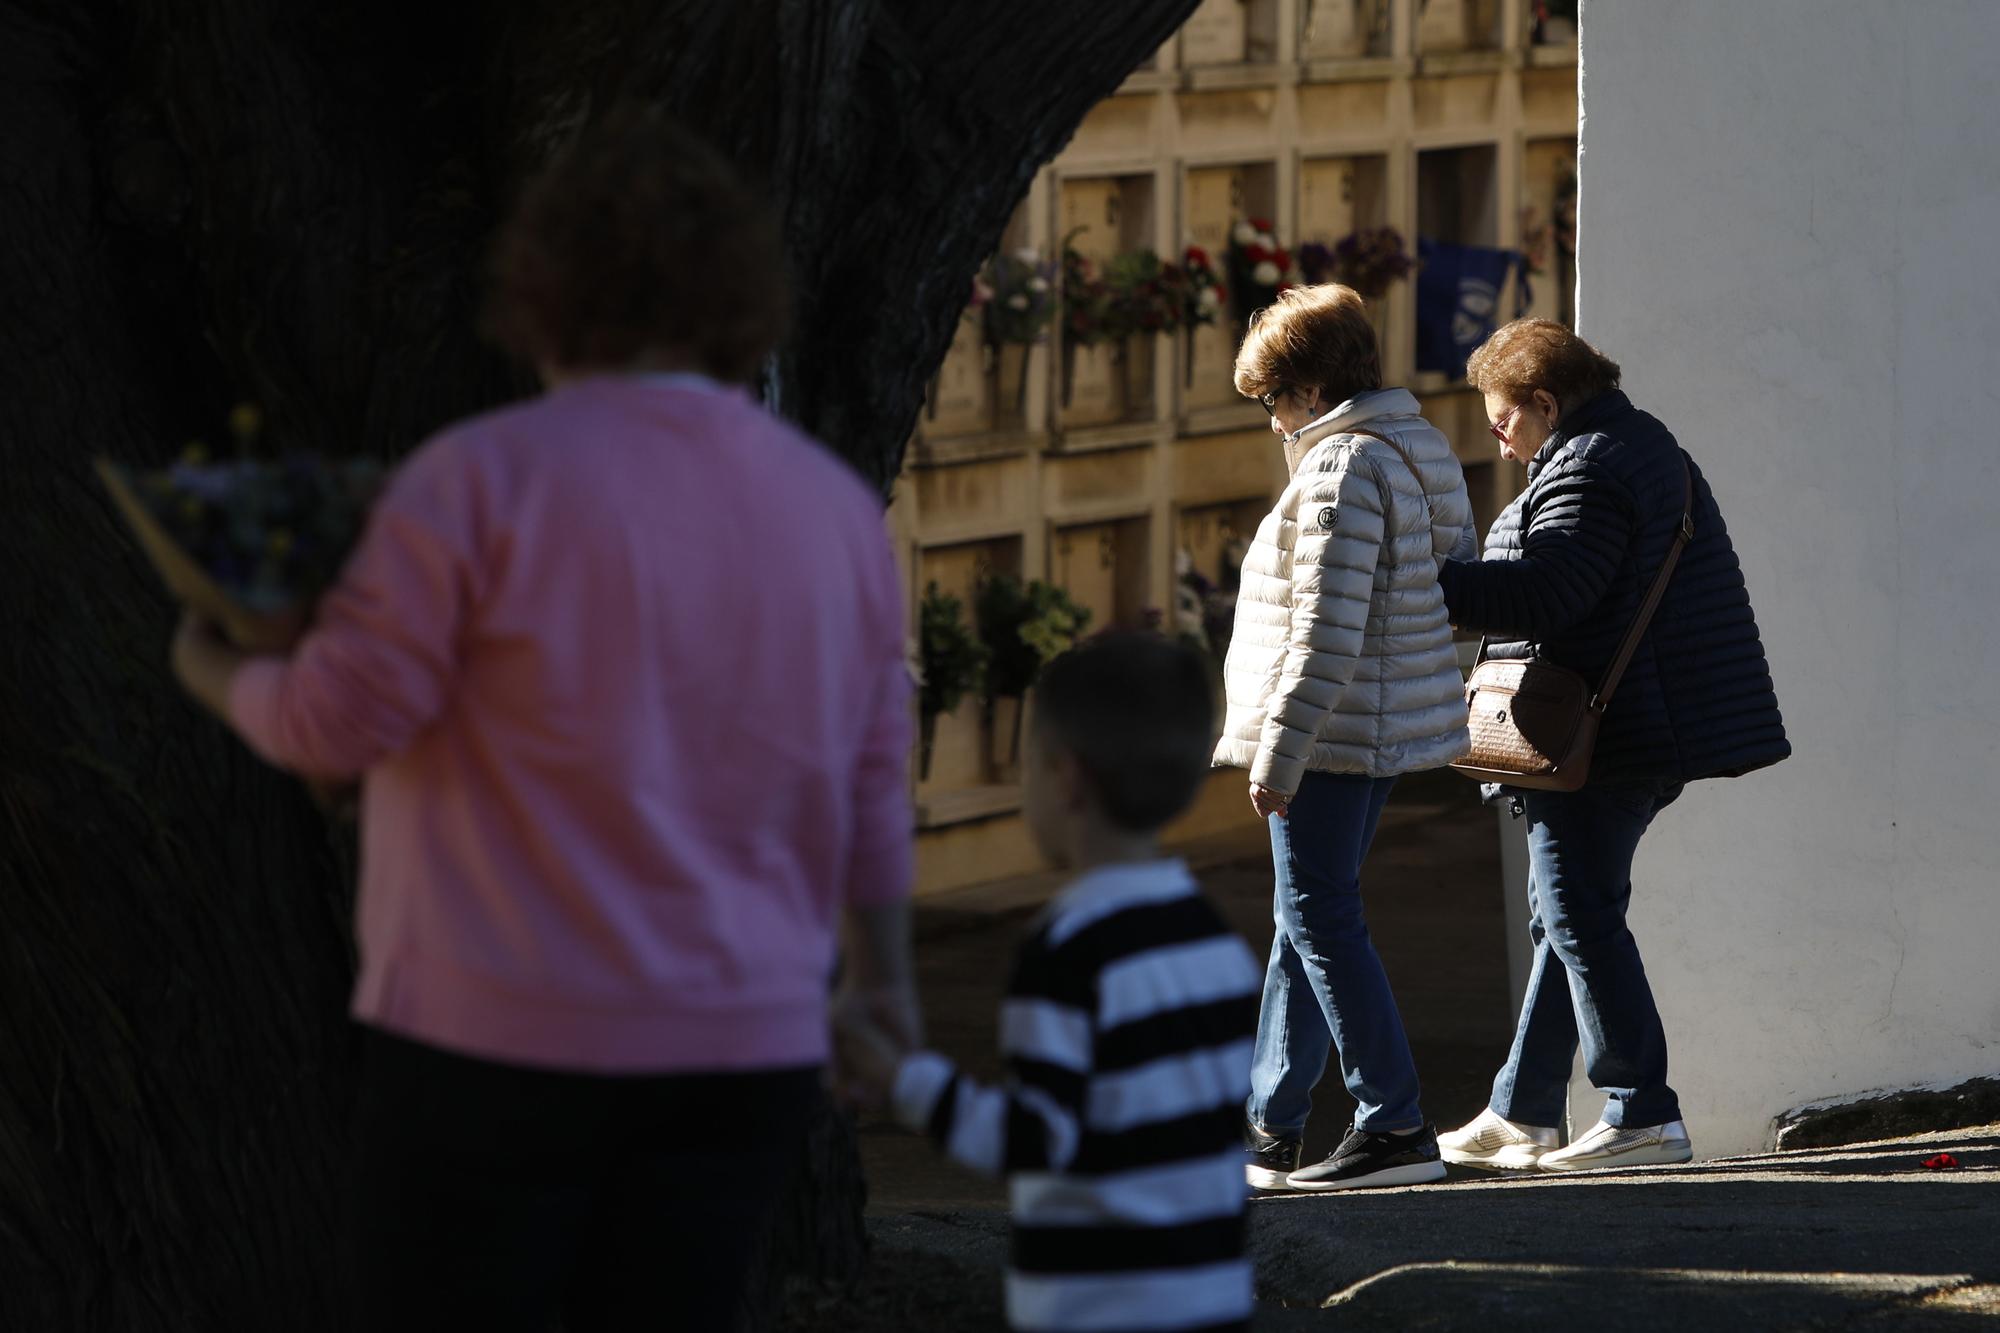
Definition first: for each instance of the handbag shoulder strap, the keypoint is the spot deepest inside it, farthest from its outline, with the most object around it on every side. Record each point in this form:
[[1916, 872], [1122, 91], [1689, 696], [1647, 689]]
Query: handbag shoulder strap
[[1616, 671], [1423, 493]]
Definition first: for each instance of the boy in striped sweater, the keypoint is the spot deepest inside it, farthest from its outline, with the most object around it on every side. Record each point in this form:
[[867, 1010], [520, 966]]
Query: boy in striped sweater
[[1126, 1028]]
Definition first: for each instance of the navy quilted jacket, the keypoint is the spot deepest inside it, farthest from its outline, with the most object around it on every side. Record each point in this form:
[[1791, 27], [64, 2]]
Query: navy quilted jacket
[[1569, 562]]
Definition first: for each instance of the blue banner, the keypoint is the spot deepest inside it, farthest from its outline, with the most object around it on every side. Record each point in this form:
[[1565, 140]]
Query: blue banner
[[1458, 300]]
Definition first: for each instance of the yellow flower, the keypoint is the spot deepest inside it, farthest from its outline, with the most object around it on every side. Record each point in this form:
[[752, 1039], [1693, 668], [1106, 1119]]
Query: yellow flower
[[245, 421]]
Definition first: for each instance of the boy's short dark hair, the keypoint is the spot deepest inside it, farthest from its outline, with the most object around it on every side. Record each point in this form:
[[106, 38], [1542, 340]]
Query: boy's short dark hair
[[1136, 711]]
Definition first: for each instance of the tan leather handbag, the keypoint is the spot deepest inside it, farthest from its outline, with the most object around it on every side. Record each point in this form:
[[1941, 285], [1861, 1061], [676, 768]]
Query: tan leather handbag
[[1535, 724]]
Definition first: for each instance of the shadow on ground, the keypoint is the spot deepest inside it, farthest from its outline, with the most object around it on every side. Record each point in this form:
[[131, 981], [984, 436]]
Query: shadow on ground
[[1855, 1238], [1861, 1237], [1432, 892]]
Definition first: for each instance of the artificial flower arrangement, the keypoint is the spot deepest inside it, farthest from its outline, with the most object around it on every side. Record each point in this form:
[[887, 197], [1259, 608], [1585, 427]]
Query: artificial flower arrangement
[[1144, 294], [1258, 266], [1015, 295], [248, 543], [1132, 293], [951, 663], [1025, 626], [1368, 260], [1086, 301], [1204, 290]]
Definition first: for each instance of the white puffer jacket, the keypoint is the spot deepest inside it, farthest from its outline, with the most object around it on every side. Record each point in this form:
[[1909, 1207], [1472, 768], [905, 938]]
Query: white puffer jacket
[[1342, 658]]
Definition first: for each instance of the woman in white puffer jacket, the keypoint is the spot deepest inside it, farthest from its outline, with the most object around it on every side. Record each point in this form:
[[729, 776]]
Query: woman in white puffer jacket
[[1341, 676]]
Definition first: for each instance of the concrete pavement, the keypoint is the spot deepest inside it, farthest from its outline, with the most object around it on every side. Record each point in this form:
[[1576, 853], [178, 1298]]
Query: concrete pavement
[[1853, 1237], [1861, 1237]]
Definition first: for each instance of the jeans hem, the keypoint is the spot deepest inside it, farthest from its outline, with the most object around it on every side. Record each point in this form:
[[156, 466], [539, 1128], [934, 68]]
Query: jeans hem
[[1269, 1133], [1650, 1120], [1510, 1112]]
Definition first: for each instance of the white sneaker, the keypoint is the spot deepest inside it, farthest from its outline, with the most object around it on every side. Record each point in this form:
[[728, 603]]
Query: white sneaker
[[1498, 1143], [1618, 1145]]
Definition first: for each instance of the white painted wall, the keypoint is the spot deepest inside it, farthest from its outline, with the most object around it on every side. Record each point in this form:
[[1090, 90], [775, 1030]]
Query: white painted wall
[[1790, 231]]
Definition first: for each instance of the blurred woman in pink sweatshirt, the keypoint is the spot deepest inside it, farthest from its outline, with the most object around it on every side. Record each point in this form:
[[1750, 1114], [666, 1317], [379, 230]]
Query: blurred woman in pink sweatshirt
[[621, 670]]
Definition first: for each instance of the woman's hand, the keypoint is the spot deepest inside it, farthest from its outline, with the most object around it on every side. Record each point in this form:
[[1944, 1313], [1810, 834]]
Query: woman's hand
[[1267, 802], [871, 1035], [205, 663], [337, 799]]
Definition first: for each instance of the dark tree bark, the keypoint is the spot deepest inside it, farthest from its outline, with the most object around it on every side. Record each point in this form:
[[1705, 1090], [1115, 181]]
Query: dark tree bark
[[205, 201]]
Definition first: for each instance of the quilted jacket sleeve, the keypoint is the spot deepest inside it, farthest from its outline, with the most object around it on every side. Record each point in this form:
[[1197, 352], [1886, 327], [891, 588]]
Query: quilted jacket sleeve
[[1581, 524], [1454, 535], [1338, 522], [383, 656], [1467, 545]]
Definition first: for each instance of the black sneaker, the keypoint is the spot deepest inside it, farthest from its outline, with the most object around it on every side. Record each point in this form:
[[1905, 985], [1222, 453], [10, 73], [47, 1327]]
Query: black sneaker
[[1267, 1159], [1364, 1160]]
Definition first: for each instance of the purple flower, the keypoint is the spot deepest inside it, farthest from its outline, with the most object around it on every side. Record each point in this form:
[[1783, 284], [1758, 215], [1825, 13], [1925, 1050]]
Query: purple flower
[[201, 480]]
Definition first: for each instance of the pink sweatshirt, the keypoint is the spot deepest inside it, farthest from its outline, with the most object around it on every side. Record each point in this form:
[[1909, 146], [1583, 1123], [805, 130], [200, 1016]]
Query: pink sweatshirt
[[623, 667]]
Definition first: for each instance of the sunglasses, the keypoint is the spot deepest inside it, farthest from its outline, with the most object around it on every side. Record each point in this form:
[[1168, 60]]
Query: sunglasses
[[1499, 428], [1270, 400]]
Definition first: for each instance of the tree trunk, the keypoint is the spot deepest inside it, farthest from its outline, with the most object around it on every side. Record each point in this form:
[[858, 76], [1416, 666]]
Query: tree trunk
[[290, 202]]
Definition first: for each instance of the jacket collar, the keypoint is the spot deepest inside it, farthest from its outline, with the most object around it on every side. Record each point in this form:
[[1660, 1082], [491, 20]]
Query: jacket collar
[[1111, 884], [1590, 417], [1362, 407]]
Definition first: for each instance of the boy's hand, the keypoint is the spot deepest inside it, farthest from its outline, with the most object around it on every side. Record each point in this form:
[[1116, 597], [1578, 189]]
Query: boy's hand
[[867, 1053]]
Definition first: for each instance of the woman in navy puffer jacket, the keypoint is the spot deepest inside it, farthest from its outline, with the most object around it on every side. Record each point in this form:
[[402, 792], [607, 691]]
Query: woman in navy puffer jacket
[[1566, 568]]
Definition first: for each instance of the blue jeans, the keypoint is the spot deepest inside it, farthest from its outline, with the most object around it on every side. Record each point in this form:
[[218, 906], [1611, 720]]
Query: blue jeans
[[1587, 983], [1325, 988]]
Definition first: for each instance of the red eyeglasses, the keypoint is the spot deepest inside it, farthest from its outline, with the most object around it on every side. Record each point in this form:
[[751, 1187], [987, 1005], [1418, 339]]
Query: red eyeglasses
[[1499, 428]]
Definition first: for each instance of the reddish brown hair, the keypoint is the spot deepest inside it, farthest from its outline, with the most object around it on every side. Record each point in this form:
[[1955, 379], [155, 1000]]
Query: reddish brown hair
[[1532, 354], [1311, 338], [639, 237]]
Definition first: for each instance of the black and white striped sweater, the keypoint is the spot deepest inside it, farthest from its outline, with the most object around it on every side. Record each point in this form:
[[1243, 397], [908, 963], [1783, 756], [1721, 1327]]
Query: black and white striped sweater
[[1126, 1032]]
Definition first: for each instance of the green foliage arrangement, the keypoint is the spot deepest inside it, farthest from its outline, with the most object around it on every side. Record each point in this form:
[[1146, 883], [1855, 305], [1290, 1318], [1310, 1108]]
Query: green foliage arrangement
[[1146, 295], [1129, 294], [953, 659], [1025, 627]]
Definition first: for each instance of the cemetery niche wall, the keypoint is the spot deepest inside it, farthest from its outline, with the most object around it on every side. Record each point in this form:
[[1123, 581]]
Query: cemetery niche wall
[[1085, 456]]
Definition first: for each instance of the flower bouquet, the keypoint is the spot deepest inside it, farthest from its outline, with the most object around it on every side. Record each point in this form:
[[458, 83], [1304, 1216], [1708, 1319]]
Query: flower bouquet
[[1020, 298], [1146, 296], [1024, 626], [1204, 290], [951, 662], [1086, 301], [1368, 260], [1258, 266], [1204, 296], [1086, 312], [1019, 306], [248, 544]]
